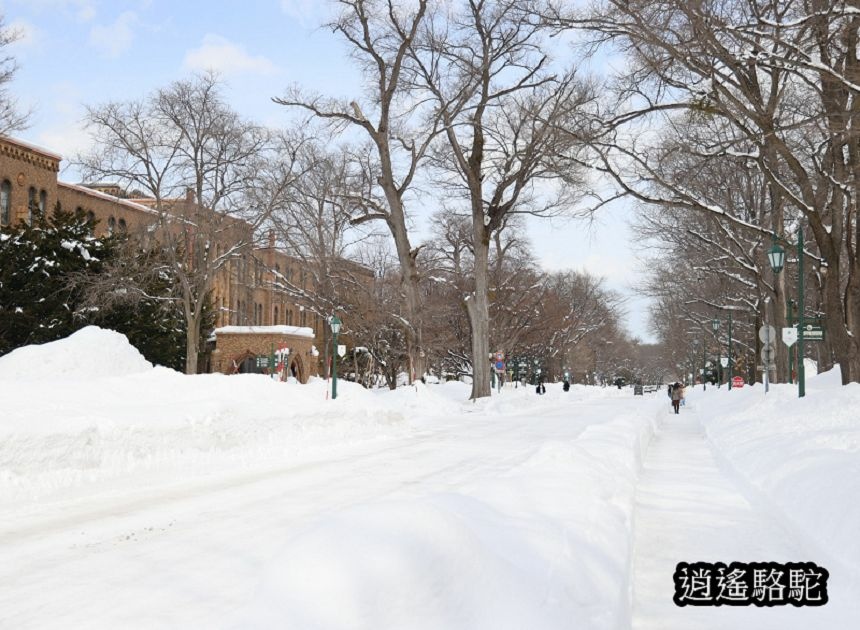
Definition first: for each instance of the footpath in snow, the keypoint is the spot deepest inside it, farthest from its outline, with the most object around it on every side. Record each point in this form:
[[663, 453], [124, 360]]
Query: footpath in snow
[[690, 508]]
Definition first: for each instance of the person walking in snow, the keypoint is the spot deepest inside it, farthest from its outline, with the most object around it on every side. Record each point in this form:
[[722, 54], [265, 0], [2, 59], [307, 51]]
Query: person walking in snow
[[677, 395]]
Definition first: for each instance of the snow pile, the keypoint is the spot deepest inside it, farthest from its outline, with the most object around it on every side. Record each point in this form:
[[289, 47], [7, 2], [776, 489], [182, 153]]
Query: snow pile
[[91, 352], [801, 457], [545, 544], [90, 408]]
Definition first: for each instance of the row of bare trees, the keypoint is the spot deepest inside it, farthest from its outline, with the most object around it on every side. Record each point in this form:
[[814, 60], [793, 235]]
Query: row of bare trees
[[729, 122], [738, 120]]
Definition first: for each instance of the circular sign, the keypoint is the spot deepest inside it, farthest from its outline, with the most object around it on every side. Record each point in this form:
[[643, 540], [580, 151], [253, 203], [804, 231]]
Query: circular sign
[[500, 366], [738, 381], [768, 353], [767, 333]]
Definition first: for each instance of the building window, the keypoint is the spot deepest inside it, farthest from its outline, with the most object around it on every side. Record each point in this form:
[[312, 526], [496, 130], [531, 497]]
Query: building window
[[304, 318], [289, 318], [43, 201], [5, 202], [275, 322], [91, 216], [111, 225], [122, 226], [32, 204]]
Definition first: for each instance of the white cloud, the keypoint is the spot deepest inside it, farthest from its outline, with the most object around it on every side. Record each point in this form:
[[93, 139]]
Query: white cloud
[[114, 39], [219, 54], [28, 35], [303, 11]]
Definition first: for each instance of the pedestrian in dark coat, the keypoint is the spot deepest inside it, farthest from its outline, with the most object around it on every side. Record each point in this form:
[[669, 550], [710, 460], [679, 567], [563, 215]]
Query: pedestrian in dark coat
[[677, 395]]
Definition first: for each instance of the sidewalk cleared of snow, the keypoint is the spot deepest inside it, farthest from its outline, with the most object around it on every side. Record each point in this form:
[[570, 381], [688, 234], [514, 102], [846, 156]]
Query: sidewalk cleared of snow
[[690, 509]]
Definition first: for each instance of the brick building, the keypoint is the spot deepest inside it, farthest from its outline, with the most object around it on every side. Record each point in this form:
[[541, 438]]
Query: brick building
[[245, 289]]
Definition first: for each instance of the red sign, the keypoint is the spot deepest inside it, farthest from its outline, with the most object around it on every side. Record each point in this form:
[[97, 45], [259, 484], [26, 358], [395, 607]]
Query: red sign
[[738, 381]]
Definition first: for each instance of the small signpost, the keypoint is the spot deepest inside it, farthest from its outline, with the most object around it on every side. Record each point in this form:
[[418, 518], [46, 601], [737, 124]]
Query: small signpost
[[789, 336], [737, 381], [724, 361], [813, 332], [341, 350], [767, 334]]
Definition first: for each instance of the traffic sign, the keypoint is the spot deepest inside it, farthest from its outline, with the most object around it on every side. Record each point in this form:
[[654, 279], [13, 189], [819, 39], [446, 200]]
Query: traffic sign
[[500, 366], [500, 356], [724, 361], [738, 381], [789, 336], [768, 354], [813, 332], [767, 334]]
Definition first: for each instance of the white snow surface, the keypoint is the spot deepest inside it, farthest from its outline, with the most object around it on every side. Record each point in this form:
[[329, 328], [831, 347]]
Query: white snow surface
[[143, 498], [89, 353]]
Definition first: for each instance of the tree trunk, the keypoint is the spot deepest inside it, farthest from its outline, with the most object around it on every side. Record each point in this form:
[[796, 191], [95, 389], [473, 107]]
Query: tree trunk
[[409, 276], [846, 346], [192, 342], [780, 321], [478, 308]]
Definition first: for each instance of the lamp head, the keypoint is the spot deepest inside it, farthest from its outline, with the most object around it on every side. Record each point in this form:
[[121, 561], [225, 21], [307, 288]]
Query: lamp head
[[335, 324], [776, 257]]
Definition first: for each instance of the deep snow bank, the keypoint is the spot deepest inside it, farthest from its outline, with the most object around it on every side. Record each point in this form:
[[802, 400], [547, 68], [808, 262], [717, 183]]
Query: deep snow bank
[[546, 545], [89, 408], [91, 352], [800, 456]]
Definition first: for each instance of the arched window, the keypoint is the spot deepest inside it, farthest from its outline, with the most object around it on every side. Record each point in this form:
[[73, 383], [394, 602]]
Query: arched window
[[275, 322], [43, 201], [32, 204], [91, 216], [289, 318], [5, 202], [111, 225], [122, 226]]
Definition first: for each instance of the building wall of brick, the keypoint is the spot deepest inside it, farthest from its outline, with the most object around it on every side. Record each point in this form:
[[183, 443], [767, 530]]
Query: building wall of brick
[[231, 349], [25, 167], [126, 217], [244, 290]]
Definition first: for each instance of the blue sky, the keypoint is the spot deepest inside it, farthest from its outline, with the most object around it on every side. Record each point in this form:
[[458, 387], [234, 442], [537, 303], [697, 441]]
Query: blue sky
[[76, 52]]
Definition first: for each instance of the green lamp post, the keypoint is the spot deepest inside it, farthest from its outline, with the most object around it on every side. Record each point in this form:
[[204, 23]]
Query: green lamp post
[[715, 324], [776, 257], [335, 324]]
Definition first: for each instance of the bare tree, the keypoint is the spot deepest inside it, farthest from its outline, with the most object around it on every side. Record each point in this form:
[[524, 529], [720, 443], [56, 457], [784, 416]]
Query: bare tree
[[782, 76], [508, 123], [195, 160], [379, 34], [11, 117], [311, 219]]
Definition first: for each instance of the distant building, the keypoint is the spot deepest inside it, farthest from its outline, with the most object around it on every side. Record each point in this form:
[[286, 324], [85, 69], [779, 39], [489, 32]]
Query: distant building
[[246, 289]]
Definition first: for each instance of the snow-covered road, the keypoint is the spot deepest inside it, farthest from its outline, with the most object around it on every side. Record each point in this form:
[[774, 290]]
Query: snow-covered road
[[137, 497], [192, 554]]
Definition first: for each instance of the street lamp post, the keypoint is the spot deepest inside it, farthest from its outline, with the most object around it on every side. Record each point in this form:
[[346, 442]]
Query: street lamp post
[[776, 257], [715, 324], [335, 324]]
